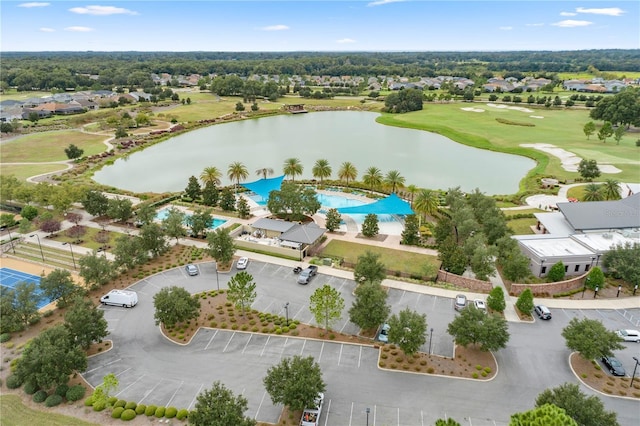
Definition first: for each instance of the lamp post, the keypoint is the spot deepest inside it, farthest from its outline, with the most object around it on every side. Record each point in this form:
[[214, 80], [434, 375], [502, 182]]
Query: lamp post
[[446, 272], [217, 278], [595, 292], [39, 245], [541, 267], [286, 310], [592, 259], [72, 257], [619, 289], [14, 249], [634, 371], [368, 410], [430, 340], [584, 288]]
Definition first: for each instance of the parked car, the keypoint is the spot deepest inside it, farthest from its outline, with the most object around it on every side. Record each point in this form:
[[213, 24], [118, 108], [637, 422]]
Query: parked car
[[629, 335], [311, 415], [383, 336], [460, 302], [543, 312], [242, 263], [614, 366], [124, 298], [479, 304], [306, 274], [191, 269]]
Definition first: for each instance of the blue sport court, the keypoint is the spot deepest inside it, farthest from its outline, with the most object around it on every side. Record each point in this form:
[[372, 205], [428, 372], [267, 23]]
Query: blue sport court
[[9, 278]]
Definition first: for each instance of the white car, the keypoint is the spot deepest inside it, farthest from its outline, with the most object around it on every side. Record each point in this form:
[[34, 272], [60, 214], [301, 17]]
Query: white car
[[629, 335], [242, 263], [479, 304], [191, 269]]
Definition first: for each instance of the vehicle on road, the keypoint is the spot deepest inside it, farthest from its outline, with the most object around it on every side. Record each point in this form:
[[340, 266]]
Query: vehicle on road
[[306, 274], [460, 302], [191, 269], [242, 263], [629, 335], [479, 304], [311, 415], [543, 312], [383, 336], [124, 298], [613, 365]]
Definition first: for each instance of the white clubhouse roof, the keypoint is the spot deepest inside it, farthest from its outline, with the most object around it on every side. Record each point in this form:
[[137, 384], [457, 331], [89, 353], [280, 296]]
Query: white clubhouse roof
[[552, 246], [605, 241], [555, 223]]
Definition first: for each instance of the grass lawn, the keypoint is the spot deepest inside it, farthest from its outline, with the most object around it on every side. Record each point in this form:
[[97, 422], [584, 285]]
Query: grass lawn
[[14, 412], [22, 172], [397, 260], [522, 226], [49, 146], [576, 192], [524, 211]]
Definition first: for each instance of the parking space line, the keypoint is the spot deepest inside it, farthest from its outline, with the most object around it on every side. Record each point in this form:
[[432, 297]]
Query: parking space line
[[283, 347], [360, 356], [304, 342], [398, 416], [422, 417], [299, 310], [196, 396], [630, 319], [102, 366], [340, 354], [345, 324], [268, 306], [351, 414], [211, 340], [259, 406], [150, 392], [417, 302], [265, 345], [326, 418], [321, 349], [374, 415], [247, 344], [141, 377], [601, 314], [435, 299], [227, 345], [401, 296], [174, 394], [122, 372]]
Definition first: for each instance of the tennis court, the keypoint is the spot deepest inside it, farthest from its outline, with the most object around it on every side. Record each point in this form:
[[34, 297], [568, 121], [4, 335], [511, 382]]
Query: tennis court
[[10, 278]]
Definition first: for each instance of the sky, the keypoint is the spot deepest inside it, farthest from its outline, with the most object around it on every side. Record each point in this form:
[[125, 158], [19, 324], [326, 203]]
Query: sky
[[327, 25]]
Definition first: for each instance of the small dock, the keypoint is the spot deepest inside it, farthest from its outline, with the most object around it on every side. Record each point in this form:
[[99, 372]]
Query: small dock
[[295, 108]]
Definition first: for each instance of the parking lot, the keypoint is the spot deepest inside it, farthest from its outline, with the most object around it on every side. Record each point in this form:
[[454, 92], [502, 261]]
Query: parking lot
[[153, 370]]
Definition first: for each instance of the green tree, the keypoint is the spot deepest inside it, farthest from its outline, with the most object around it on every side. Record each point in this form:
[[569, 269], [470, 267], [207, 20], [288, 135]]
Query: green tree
[[326, 305], [29, 212], [347, 172], [322, 170], [585, 410], [218, 406], [595, 278], [25, 302], [474, 326], [237, 172], [210, 195], [199, 221], [292, 167], [295, 382], [227, 200], [426, 202], [623, 261], [411, 231], [482, 263], [525, 301], [547, 415], [239, 106], [588, 169], [173, 224], [515, 265], [408, 330], [175, 305], [373, 177], [369, 268], [58, 285], [370, 225], [448, 422], [193, 189], [10, 319], [129, 252], [264, 172], [394, 179], [293, 202], [95, 203], [96, 270], [145, 214], [220, 245], [556, 273], [611, 189], [50, 358], [103, 391], [370, 308], [622, 108], [617, 134], [73, 152], [152, 238], [242, 290], [495, 300], [605, 131], [404, 101], [85, 323], [119, 209], [593, 192], [333, 219], [591, 338], [244, 212], [211, 175]]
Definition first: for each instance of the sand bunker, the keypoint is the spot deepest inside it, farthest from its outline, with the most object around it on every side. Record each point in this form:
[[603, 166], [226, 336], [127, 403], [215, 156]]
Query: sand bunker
[[569, 160], [515, 108], [536, 116], [472, 109]]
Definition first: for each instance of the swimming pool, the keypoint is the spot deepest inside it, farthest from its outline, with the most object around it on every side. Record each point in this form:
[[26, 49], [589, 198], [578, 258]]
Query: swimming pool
[[9, 279], [164, 213], [327, 201]]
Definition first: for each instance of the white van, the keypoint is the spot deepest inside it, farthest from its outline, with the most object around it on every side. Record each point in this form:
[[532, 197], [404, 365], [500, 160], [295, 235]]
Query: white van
[[124, 298]]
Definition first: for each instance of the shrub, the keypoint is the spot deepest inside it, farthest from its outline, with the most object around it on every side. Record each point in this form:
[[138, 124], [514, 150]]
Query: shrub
[[525, 302], [140, 409], [5, 337], [556, 273], [478, 367], [88, 402], [487, 370], [128, 415], [117, 412], [171, 412], [99, 405], [62, 390], [150, 411], [30, 388], [112, 400], [40, 396], [474, 375], [120, 403], [53, 400], [130, 405], [14, 382], [182, 414], [160, 412]]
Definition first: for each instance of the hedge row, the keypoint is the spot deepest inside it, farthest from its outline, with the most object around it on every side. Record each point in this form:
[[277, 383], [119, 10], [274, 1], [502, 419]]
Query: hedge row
[[129, 410], [73, 393]]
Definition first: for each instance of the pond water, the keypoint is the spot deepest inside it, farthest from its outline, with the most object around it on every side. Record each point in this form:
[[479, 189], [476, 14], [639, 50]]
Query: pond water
[[426, 160]]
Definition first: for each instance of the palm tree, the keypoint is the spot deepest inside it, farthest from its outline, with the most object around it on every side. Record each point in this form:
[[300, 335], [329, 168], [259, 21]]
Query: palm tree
[[211, 175], [593, 192], [412, 189], [611, 189], [237, 171], [394, 179], [321, 170], [292, 167], [347, 172], [372, 177], [427, 202], [264, 172]]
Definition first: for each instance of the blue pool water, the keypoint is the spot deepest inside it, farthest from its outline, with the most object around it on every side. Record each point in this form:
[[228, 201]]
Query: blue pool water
[[327, 201], [162, 215], [9, 279]]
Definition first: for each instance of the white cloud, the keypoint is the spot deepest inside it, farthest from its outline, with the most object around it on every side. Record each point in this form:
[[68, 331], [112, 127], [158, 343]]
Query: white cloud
[[345, 41], [275, 28], [610, 11], [102, 10], [571, 23], [505, 28], [383, 2], [79, 29], [568, 14], [47, 30], [535, 25], [34, 4]]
